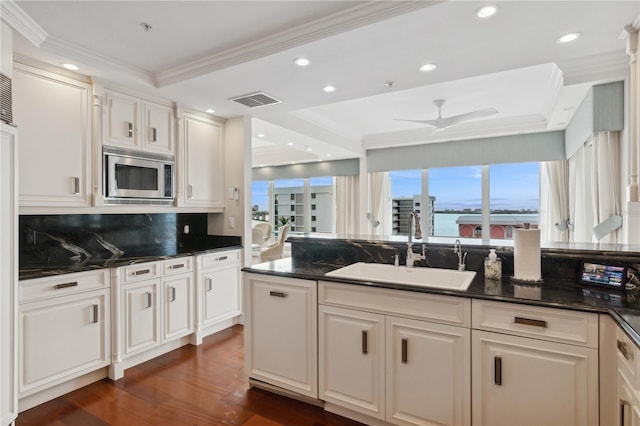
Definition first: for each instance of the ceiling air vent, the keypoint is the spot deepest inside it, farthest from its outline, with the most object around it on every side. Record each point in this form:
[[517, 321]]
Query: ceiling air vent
[[256, 100]]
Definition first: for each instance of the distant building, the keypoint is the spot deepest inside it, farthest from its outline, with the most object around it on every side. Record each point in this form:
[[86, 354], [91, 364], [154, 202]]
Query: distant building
[[403, 206], [502, 226], [290, 203]]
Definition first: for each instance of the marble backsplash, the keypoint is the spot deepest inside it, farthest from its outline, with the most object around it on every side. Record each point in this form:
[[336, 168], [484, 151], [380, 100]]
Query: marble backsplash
[[68, 239], [556, 263]]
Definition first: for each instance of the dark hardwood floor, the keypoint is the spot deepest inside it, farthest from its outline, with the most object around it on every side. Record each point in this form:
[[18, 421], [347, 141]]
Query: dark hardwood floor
[[201, 385]]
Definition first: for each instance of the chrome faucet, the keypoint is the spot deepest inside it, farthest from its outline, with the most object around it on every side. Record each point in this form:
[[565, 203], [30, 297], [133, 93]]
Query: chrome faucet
[[414, 219], [457, 248]]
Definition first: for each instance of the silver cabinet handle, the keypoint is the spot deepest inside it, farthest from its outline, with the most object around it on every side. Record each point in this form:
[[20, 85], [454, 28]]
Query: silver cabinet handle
[[528, 321], [365, 342], [142, 272], [190, 191], [130, 128], [173, 294], [209, 284], [181, 265], [277, 294], [148, 295], [622, 348], [153, 134], [221, 258], [404, 350], [65, 285], [497, 370], [76, 185], [96, 313]]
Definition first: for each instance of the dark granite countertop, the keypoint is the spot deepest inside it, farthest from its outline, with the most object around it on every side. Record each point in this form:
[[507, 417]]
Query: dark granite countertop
[[150, 254], [558, 293]]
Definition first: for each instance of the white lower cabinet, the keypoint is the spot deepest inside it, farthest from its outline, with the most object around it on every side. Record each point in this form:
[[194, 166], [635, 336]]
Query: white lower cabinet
[[352, 354], [428, 373], [534, 380], [153, 311], [401, 370], [219, 301], [64, 330], [281, 333]]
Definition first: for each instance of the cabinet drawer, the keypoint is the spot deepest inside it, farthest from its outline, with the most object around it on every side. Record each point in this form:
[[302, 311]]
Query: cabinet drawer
[[178, 266], [63, 285], [558, 325], [213, 260], [434, 307], [140, 271]]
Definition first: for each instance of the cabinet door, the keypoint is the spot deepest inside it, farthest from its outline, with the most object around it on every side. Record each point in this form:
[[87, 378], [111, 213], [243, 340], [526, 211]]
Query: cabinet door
[[525, 381], [628, 412], [140, 316], [352, 368], [178, 306], [158, 135], [221, 294], [281, 333], [203, 166], [62, 338], [428, 373], [54, 116], [122, 122]]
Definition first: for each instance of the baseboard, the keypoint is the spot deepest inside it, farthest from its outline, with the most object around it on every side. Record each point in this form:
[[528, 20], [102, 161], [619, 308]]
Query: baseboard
[[63, 388], [284, 392]]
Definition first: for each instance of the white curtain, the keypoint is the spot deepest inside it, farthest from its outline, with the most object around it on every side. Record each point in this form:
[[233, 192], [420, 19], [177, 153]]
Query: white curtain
[[605, 188], [594, 190], [379, 214], [554, 201], [346, 204]]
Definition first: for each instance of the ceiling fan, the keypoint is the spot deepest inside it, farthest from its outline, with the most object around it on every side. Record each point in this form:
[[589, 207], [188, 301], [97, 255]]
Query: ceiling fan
[[441, 122]]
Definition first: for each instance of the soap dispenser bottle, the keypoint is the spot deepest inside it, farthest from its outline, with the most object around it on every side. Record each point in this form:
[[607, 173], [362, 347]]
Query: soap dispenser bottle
[[493, 266]]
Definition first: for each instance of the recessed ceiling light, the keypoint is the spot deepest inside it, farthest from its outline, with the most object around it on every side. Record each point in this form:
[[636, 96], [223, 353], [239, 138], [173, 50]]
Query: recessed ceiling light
[[210, 111], [486, 11], [428, 67], [71, 67], [309, 149], [293, 162], [260, 135], [390, 84], [301, 62], [329, 88], [568, 38], [328, 155], [290, 143]]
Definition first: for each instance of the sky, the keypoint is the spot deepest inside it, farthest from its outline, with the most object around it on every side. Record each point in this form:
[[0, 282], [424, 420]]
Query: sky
[[512, 186]]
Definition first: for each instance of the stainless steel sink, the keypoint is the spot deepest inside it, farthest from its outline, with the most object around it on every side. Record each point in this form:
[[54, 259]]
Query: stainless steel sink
[[420, 277]]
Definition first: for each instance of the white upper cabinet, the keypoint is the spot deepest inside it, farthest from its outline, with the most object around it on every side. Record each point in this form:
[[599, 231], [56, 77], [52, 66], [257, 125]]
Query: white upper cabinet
[[53, 113], [202, 167], [138, 124]]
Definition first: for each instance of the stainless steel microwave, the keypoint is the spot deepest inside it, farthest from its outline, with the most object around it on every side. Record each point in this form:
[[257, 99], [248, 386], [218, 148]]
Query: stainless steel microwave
[[136, 178]]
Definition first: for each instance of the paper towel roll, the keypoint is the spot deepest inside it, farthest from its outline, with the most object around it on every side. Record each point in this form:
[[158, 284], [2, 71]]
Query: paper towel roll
[[526, 255]]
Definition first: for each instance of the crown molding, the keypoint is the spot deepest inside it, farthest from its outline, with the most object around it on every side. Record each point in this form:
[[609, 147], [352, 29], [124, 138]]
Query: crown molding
[[18, 19], [603, 67], [87, 57], [358, 16]]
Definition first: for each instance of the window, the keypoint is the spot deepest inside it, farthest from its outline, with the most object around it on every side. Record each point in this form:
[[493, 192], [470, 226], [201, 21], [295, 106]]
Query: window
[[313, 206], [290, 190], [455, 199], [457, 202], [260, 201], [313, 195], [313, 218], [406, 194], [514, 197]]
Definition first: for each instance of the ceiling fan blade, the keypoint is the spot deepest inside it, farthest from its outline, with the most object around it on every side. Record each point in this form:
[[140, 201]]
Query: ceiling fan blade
[[432, 123], [460, 118]]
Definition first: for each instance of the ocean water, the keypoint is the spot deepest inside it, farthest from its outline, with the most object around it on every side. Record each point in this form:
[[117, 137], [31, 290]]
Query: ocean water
[[445, 223]]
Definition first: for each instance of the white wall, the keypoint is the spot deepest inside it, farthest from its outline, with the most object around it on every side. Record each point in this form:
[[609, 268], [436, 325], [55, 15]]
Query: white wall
[[237, 160]]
